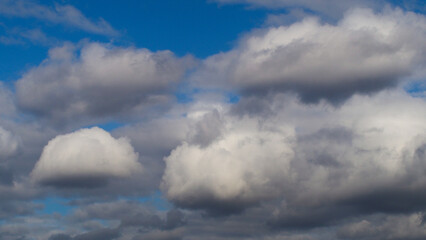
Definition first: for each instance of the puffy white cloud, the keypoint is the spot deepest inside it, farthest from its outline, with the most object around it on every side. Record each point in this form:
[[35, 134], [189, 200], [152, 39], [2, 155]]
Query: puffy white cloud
[[241, 167], [364, 52], [8, 143], [85, 158], [99, 80]]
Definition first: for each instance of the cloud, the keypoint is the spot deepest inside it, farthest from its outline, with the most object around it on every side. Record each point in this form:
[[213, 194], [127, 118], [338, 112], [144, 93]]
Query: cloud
[[364, 52], [99, 80], [8, 143], [240, 168], [85, 158], [331, 8], [321, 163], [388, 227], [60, 14]]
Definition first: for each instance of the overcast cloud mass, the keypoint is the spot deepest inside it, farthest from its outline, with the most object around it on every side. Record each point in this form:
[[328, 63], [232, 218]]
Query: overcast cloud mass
[[306, 120]]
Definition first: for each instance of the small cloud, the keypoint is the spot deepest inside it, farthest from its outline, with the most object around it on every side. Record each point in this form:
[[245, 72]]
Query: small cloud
[[85, 158]]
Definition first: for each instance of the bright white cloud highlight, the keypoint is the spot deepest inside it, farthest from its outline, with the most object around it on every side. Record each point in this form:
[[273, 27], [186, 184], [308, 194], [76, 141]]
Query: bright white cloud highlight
[[85, 158]]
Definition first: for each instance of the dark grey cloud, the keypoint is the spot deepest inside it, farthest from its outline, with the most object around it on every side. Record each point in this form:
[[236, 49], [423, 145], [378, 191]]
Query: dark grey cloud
[[101, 234], [389, 227], [130, 214]]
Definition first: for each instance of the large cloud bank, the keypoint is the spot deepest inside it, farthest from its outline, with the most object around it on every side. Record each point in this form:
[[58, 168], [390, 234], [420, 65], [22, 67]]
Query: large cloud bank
[[314, 160], [364, 52], [85, 158]]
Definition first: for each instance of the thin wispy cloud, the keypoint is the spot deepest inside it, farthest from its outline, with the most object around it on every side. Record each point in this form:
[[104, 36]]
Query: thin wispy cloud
[[59, 14]]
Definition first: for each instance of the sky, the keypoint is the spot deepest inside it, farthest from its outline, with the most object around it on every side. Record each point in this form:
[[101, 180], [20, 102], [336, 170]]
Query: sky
[[212, 119]]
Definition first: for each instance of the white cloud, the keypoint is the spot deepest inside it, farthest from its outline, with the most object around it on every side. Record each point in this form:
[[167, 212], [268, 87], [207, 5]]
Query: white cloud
[[364, 52], [101, 81], [245, 164], [305, 155], [85, 158], [60, 14]]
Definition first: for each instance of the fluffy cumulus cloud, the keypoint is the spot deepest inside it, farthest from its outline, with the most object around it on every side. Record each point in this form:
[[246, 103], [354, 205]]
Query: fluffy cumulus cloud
[[364, 52], [85, 158], [98, 80], [242, 166], [358, 158]]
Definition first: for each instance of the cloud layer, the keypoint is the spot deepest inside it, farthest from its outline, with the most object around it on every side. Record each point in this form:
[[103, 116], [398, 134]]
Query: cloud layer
[[303, 130], [85, 158]]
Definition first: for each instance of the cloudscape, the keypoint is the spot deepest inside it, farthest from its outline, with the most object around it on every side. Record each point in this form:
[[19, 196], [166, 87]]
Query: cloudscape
[[212, 119]]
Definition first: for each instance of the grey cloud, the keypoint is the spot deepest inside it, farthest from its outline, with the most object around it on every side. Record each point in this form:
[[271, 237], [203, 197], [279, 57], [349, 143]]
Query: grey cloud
[[388, 227], [60, 236], [8, 143], [130, 214], [207, 129], [176, 234], [362, 158], [101, 234], [101, 81], [359, 54], [6, 176], [60, 14]]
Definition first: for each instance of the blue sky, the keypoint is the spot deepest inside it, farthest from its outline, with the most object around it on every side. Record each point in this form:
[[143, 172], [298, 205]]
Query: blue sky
[[194, 27], [212, 119]]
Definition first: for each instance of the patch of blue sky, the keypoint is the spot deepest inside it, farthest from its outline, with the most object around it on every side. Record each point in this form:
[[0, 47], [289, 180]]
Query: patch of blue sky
[[197, 27], [416, 88], [53, 205], [107, 126], [232, 97], [156, 200]]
